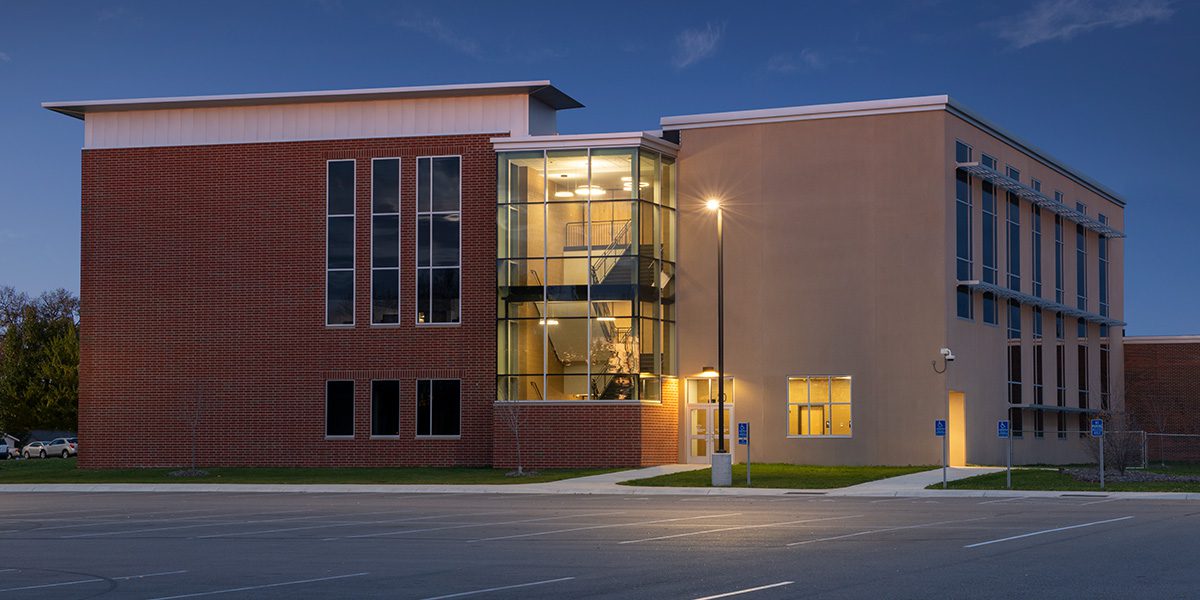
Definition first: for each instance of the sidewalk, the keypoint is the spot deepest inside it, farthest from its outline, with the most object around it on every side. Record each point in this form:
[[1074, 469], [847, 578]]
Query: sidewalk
[[905, 486]]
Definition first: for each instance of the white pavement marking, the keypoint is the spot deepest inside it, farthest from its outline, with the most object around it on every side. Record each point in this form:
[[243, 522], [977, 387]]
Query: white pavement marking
[[261, 587], [497, 589], [91, 580], [1100, 501], [469, 525], [747, 590], [346, 524], [195, 525], [918, 526], [1025, 535], [679, 535], [1003, 500], [606, 526], [167, 520]]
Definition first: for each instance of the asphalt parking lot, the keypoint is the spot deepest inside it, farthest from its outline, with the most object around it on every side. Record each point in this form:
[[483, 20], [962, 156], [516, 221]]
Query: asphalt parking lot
[[237, 545]]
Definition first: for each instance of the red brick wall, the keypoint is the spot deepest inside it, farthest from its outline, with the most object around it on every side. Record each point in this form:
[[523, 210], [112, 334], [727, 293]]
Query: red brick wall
[[203, 308], [1162, 395], [660, 427]]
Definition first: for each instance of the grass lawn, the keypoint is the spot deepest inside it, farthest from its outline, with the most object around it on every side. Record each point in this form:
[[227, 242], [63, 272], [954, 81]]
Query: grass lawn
[[770, 475], [1039, 479], [56, 470]]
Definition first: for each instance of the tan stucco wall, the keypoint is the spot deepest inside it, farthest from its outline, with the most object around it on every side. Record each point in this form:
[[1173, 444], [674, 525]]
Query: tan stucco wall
[[834, 263]]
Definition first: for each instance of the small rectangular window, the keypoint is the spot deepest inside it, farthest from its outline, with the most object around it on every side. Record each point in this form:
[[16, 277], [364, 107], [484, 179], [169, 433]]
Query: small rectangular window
[[339, 409], [990, 314], [819, 406], [1013, 174], [385, 408], [1037, 185], [988, 161], [438, 407], [962, 152]]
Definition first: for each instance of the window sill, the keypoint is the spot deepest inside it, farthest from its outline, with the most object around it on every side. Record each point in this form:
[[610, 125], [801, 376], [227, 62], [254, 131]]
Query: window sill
[[436, 325], [437, 437], [339, 437], [342, 326], [385, 437], [819, 437]]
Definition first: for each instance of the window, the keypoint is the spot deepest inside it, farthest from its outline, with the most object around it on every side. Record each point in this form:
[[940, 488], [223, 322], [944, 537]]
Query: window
[[438, 406], [1014, 364], [989, 251], [1104, 371], [439, 212], [1083, 389], [1038, 398], [963, 209], [1103, 252], [339, 242], [988, 162], [1036, 227], [1080, 267], [1014, 242], [1037, 185], [1060, 382], [819, 406], [1060, 326], [1012, 173], [339, 409], [385, 241], [1058, 259], [385, 408]]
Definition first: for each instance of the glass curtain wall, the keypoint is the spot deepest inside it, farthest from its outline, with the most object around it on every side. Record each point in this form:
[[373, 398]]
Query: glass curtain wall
[[585, 274]]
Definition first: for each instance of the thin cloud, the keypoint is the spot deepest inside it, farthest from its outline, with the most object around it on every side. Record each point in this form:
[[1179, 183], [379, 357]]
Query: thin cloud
[[4, 57], [694, 45], [434, 28], [1061, 20], [786, 62]]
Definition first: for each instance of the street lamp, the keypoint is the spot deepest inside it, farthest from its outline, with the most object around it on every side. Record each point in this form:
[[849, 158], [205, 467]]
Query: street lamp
[[722, 464]]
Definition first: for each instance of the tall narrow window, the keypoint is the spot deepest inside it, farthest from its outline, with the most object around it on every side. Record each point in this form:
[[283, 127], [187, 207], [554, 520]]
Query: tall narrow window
[[989, 251], [439, 212], [385, 408], [1058, 259], [1014, 366], [1104, 382], [438, 407], [339, 409], [385, 241], [1014, 242], [1083, 389], [1103, 252], [963, 218], [1036, 226], [1080, 267], [339, 242], [1060, 382]]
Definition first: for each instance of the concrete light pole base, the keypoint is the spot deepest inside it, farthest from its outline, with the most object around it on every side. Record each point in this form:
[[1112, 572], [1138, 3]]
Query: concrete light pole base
[[722, 469]]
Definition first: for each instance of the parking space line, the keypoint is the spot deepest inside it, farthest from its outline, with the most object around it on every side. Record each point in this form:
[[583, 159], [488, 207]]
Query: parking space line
[[90, 580], [497, 589], [1100, 501], [718, 530], [885, 530], [469, 525], [346, 524], [607, 526], [260, 587], [195, 525], [1025, 535], [1003, 500], [747, 590], [164, 520]]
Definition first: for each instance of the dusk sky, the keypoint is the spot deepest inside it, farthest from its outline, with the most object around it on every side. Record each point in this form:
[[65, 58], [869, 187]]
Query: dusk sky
[[1111, 87]]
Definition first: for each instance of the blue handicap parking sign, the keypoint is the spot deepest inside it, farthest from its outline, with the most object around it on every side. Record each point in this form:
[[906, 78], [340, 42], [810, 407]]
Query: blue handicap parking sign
[[1002, 428], [1097, 428], [939, 428], [743, 433]]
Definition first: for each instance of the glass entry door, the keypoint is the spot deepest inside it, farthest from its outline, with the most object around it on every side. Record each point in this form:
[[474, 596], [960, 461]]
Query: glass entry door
[[702, 418]]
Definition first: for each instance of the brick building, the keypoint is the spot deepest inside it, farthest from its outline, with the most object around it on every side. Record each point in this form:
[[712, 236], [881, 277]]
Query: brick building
[[401, 276], [1162, 393]]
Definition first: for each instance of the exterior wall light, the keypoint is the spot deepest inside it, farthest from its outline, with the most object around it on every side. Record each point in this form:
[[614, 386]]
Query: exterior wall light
[[709, 372], [712, 204]]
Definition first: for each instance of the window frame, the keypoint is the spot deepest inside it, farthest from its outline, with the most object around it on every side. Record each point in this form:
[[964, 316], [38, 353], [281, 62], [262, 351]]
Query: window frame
[[353, 409], [399, 214], [416, 409], [353, 245], [417, 213], [788, 405], [374, 435]]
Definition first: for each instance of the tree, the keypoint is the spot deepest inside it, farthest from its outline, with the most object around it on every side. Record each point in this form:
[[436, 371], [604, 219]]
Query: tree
[[39, 361], [510, 412]]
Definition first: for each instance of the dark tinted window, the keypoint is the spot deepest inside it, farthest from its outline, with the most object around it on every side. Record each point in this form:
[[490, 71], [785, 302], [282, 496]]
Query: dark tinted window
[[385, 408], [385, 296], [423, 191], [445, 184], [340, 302], [962, 152], [445, 240], [438, 403], [341, 243], [385, 185], [385, 241], [339, 408], [341, 187], [444, 296]]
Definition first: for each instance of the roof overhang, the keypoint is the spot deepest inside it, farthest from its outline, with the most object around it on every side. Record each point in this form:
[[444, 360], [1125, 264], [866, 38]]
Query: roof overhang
[[883, 107], [541, 91], [646, 139]]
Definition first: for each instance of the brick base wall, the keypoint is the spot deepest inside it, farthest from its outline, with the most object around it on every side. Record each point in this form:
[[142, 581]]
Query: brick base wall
[[1162, 395]]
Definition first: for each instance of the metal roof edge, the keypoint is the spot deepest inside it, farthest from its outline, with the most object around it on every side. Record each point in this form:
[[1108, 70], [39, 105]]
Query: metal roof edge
[[1163, 339], [590, 140]]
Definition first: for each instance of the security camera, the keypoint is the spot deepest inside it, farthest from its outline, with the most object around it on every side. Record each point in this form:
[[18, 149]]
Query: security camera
[[947, 355]]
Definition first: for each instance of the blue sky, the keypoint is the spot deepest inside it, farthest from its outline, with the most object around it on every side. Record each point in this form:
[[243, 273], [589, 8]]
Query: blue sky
[[1109, 86]]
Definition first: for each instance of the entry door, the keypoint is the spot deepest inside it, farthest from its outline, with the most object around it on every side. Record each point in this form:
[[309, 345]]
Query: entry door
[[702, 418]]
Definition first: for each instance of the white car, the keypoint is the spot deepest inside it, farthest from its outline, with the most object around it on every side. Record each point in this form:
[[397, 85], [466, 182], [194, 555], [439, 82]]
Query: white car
[[33, 449], [64, 447]]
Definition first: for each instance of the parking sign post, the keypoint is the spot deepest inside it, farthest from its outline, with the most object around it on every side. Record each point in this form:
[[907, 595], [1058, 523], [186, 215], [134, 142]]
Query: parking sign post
[[939, 430], [1098, 432], [1003, 433], [744, 440]]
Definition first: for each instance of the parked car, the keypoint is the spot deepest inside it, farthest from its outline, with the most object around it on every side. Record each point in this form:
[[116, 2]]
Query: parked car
[[63, 447], [33, 449], [3, 449]]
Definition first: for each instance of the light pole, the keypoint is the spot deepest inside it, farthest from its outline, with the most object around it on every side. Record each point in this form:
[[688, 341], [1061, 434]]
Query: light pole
[[722, 464]]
